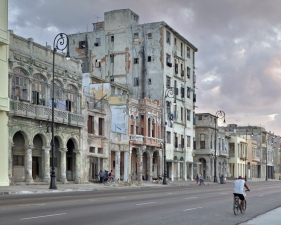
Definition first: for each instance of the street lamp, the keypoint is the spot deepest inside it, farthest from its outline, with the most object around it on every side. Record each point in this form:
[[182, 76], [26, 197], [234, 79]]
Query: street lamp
[[247, 129], [267, 139], [61, 42], [169, 93], [219, 115]]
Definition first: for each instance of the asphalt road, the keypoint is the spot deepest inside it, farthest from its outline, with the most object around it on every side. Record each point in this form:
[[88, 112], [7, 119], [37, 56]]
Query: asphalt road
[[208, 204]]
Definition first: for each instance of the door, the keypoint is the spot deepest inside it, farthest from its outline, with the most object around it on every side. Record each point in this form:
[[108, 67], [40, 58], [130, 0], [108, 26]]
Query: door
[[34, 167]]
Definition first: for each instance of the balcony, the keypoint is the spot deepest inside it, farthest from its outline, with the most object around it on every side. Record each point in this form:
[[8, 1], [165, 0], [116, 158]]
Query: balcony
[[136, 139], [45, 113], [75, 120], [21, 108], [256, 159], [204, 152]]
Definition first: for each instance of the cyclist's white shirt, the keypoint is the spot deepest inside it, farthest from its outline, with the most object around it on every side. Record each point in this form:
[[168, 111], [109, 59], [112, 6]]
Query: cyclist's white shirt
[[239, 186]]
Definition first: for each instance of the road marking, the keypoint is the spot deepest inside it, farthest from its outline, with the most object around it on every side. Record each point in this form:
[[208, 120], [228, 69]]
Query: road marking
[[190, 197], [193, 209], [146, 203], [31, 204], [224, 193], [42, 216]]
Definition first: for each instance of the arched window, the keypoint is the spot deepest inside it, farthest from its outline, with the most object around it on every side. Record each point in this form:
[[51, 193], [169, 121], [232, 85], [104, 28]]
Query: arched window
[[71, 98], [39, 90], [202, 141], [58, 95], [19, 90]]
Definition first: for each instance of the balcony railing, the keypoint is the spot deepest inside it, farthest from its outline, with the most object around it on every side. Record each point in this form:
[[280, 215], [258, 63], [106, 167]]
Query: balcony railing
[[75, 120], [45, 113], [137, 139], [24, 109]]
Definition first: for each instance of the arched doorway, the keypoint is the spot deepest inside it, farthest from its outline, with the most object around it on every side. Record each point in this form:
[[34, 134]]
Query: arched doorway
[[134, 164], [202, 169], [18, 158], [145, 166], [70, 161], [37, 166], [56, 158], [156, 164]]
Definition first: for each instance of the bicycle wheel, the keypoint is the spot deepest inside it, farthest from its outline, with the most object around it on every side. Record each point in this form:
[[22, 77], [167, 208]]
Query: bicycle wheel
[[235, 208], [245, 205]]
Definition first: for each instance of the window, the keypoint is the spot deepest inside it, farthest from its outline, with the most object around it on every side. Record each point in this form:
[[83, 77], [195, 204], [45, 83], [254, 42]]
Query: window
[[175, 112], [194, 144], [98, 63], [182, 141], [182, 92], [211, 142], [181, 113], [149, 59], [199, 117], [149, 35], [136, 60], [92, 149], [188, 72], [100, 150], [136, 81], [175, 41], [82, 44], [136, 37], [18, 160], [149, 81], [20, 84], [219, 144], [188, 92], [176, 140], [187, 141], [182, 70], [168, 37], [91, 129], [188, 114], [111, 58], [39, 90], [181, 48], [168, 60], [101, 122], [176, 68], [168, 82], [71, 98], [98, 42], [188, 52], [168, 137], [202, 141], [112, 38]]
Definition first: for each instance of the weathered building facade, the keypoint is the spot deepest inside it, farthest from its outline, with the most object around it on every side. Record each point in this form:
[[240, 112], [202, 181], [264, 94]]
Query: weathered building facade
[[4, 97], [210, 141], [30, 88], [148, 59]]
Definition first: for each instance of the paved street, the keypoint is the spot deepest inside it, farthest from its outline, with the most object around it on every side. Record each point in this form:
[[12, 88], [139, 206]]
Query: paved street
[[186, 204]]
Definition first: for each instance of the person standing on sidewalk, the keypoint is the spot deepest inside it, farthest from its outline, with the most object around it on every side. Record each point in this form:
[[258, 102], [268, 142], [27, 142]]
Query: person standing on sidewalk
[[101, 175], [197, 178]]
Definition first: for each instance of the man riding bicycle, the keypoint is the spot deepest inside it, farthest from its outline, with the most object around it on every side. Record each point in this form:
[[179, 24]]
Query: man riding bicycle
[[239, 185]]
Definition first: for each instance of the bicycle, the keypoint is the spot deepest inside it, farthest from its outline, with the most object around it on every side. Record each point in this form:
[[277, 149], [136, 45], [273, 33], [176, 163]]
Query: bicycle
[[238, 206]]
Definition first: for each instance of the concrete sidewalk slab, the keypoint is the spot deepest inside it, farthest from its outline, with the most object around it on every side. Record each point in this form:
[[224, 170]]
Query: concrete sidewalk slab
[[272, 217]]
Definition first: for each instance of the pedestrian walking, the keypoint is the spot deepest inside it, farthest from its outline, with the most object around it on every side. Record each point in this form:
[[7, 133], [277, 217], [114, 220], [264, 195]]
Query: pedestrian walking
[[201, 178], [197, 179], [101, 175], [106, 175]]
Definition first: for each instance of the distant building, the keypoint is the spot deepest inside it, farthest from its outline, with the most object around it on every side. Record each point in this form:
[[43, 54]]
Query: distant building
[[148, 59]]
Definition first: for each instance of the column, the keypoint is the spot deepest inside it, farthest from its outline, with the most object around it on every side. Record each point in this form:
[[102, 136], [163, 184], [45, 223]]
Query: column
[[184, 169], [172, 171], [63, 165], [28, 164], [117, 166], [150, 164], [126, 168], [135, 126], [46, 172], [139, 165], [78, 166], [191, 171], [159, 166]]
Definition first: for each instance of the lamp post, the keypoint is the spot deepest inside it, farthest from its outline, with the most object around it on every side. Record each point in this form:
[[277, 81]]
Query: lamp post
[[219, 115], [247, 129], [267, 139], [169, 93], [61, 42]]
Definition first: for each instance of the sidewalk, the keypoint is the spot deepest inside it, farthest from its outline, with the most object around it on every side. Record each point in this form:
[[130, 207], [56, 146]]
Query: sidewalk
[[272, 217], [41, 187]]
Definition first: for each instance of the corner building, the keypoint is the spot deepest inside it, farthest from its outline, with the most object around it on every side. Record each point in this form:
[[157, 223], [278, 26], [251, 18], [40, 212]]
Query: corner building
[[149, 59]]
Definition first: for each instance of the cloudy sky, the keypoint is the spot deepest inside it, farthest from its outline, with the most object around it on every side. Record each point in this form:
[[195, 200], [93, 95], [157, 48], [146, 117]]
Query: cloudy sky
[[239, 45]]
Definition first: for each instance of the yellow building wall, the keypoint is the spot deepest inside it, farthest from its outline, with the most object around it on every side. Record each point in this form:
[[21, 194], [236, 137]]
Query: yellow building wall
[[4, 100]]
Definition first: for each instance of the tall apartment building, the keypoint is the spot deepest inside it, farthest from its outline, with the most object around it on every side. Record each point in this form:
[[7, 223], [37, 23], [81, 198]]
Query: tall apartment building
[[30, 115], [4, 98], [148, 59]]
